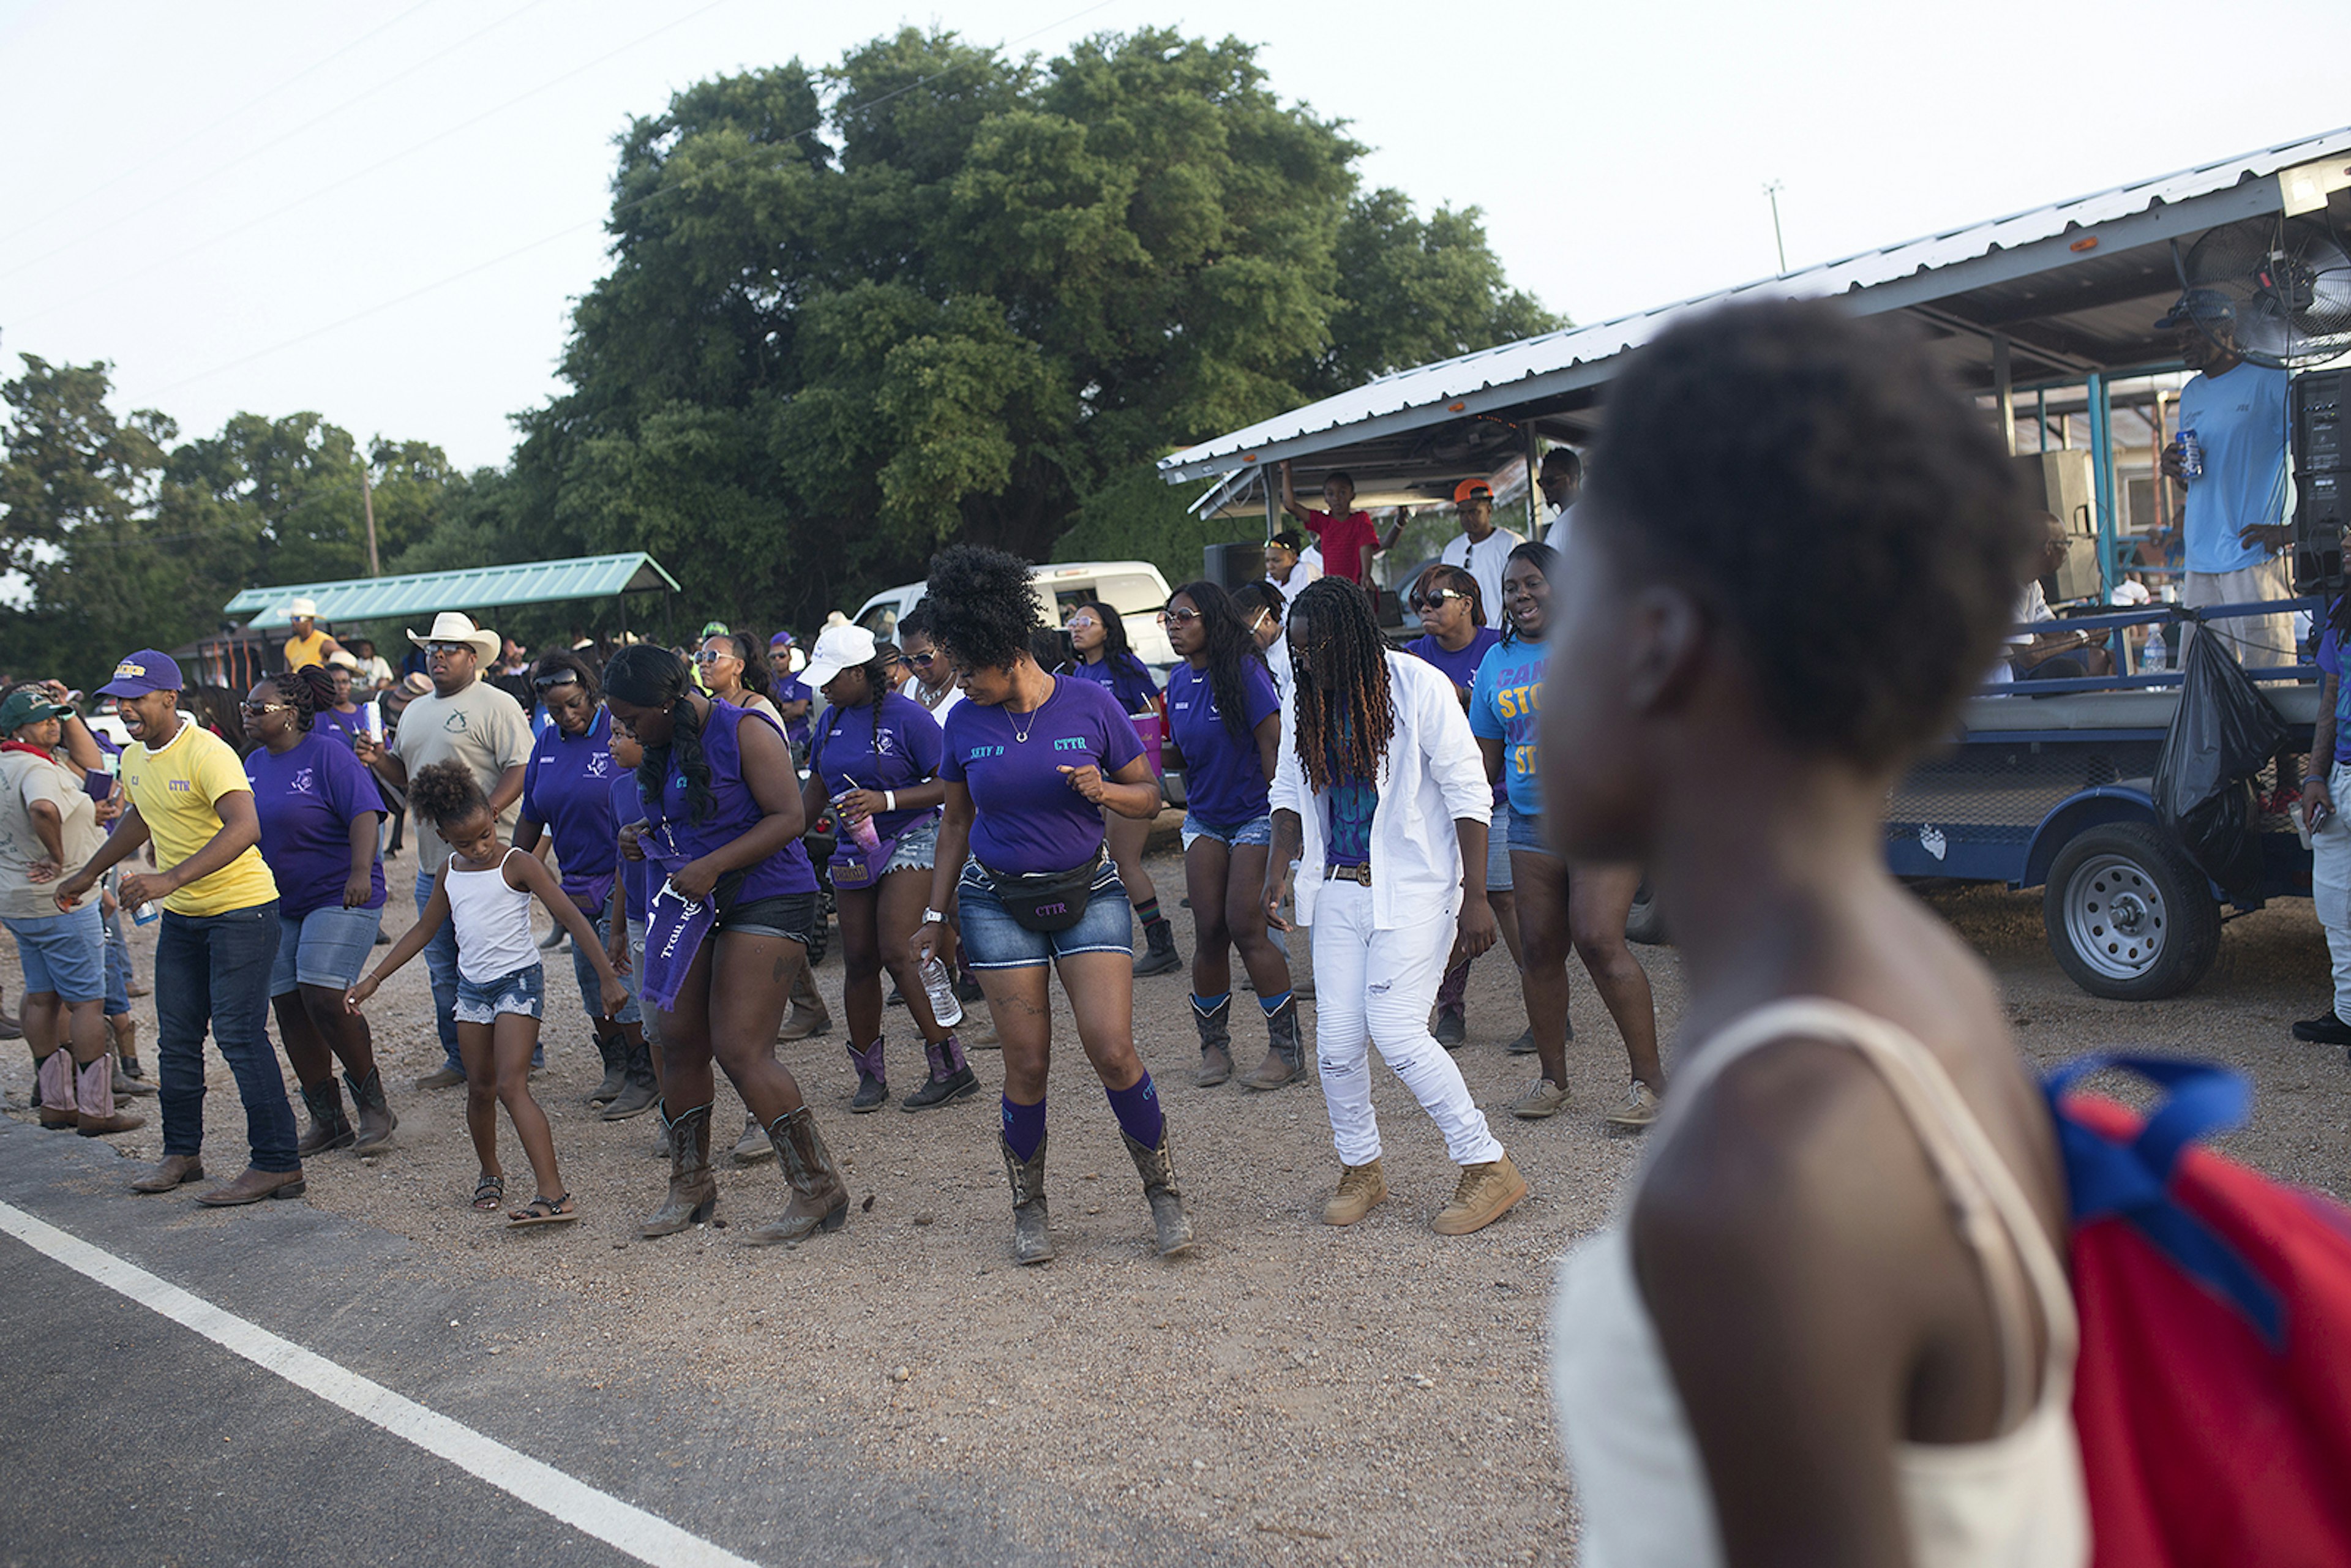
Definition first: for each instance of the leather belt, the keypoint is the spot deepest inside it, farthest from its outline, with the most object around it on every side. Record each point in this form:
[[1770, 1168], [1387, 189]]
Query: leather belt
[[1359, 874]]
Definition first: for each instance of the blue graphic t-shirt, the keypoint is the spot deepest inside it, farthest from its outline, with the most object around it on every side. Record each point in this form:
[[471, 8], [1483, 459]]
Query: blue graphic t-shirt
[[1028, 819], [1224, 776], [2240, 422], [2330, 659], [1504, 702]]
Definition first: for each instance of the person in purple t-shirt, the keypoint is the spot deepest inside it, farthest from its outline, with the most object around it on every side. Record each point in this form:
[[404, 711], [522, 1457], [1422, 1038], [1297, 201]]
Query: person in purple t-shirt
[[566, 786], [875, 758], [1031, 760], [1227, 721], [319, 809], [1098, 642], [728, 934]]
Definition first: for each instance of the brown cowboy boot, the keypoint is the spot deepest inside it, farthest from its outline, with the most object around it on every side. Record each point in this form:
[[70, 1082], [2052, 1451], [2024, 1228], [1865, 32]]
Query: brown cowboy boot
[[693, 1190], [820, 1199]]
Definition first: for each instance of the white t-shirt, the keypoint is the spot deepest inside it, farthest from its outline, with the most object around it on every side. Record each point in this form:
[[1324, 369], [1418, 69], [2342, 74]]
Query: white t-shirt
[[1484, 560], [1309, 568], [2031, 610]]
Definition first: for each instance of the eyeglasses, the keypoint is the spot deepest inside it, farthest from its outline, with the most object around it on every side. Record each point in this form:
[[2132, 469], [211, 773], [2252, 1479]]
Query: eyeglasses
[[1081, 624], [262, 710], [1431, 601], [1177, 617]]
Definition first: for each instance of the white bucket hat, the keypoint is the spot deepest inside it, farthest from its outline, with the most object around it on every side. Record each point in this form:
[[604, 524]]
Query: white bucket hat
[[838, 648], [450, 626]]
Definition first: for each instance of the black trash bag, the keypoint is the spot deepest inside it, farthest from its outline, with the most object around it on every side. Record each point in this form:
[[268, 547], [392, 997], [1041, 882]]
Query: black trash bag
[[2223, 734]]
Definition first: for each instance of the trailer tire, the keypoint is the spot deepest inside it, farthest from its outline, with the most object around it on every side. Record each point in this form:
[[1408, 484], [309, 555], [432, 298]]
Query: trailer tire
[[2128, 915], [1647, 923]]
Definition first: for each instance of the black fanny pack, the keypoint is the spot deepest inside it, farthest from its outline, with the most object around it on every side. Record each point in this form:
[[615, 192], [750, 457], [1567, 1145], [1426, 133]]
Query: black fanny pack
[[1045, 900]]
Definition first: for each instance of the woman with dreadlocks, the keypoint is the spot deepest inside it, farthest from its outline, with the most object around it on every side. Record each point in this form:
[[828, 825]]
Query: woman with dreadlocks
[[728, 933], [1032, 762], [1227, 721], [1383, 798]]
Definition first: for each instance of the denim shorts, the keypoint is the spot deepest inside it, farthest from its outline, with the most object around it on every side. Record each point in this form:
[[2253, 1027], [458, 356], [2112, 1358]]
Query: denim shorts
[[328, 946], [523, 992], [917, 847], [117, 967], [994, 940], [63, 954], [1526, 836], [1498, 850], [1251, 834], [591, 990], [792, 914]]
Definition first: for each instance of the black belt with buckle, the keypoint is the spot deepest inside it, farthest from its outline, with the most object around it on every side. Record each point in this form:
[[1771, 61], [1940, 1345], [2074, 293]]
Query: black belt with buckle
[[1359, 874]]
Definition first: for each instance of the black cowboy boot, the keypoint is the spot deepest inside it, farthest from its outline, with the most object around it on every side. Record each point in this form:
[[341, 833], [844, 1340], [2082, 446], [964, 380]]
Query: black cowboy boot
[[951, 1078], [377, 1118], [1159, 953], [614, 1047], [330, 1129], [640, 1090], [873, 1084]]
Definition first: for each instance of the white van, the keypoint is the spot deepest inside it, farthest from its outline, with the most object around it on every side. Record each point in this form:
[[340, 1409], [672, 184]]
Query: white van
[[1133, 588]]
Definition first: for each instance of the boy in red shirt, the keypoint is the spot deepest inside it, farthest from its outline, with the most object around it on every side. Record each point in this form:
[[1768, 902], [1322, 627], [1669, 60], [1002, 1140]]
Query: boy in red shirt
[[1348, 538]]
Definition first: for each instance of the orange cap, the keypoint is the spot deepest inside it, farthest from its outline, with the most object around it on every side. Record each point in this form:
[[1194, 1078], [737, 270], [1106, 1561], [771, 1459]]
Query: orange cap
[[1469, 487]]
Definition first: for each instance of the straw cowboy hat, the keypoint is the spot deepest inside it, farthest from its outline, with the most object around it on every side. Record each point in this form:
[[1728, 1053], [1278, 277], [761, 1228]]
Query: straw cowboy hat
[[302, 610], [450, 626]]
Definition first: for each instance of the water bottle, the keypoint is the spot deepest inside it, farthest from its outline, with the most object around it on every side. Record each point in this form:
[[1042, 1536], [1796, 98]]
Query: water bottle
[[939, 986], [145, 914], [2191, 456], [2153, 657]]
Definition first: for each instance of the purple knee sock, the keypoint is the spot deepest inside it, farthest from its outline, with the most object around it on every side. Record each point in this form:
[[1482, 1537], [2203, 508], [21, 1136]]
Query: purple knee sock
[[1137, 1109], [1024, 1128]]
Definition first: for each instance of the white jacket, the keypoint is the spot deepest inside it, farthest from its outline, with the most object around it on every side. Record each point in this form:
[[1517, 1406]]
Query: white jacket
[[1432, 776]]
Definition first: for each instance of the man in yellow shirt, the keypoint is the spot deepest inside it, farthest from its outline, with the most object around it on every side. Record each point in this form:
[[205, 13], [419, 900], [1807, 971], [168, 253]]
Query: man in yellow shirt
[[190, 797], [305, 643]]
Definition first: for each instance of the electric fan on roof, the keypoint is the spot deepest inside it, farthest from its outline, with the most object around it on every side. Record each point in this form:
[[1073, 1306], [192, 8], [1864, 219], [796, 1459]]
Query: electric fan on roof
[[2276, 290]]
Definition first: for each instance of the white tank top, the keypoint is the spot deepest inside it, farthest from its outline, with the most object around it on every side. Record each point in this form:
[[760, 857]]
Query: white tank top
[[2015, 1499], [493, 922]]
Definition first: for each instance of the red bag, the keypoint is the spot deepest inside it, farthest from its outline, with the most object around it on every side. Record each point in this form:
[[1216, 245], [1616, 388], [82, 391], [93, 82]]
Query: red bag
[[2213, 1393]]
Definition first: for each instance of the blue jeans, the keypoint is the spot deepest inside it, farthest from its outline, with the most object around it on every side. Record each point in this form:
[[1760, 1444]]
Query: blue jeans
[[212, 971], [591, 989], [441, 963], [117, 967]]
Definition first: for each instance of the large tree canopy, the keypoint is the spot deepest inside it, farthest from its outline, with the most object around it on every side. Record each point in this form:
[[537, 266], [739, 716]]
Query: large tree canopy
[[937, 293]]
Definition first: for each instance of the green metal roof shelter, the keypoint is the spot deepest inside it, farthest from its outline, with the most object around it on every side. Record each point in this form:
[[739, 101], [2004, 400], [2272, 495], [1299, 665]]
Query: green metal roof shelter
[[421, 593]]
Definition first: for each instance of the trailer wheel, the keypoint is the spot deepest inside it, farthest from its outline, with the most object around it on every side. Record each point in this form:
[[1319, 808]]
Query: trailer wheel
[[2129, 914], [1647, 923]]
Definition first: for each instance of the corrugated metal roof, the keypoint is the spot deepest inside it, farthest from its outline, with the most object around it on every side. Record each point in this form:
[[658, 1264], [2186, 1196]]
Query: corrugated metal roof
[[474, 587], [1911, 274]]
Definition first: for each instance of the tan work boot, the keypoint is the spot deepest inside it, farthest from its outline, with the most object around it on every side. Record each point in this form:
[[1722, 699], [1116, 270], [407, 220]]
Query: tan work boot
[[252, 1185], [1361, 1189], [1486, 1192], [809, 1016]]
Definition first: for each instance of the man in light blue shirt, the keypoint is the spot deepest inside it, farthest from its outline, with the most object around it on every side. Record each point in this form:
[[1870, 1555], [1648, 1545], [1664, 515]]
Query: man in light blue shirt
[[2235, 525]]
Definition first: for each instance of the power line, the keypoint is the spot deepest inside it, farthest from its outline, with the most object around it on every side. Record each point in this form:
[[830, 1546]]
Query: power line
[[161, 262], [246, 156], [192, 137]]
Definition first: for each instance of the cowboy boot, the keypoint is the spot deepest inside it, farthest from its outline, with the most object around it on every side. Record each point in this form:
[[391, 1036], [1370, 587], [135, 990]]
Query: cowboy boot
[[377, 1118], [330, 1129], [820, 1198], [1032, 1239], [873, 1084], [94, 1100], [54, 1091], [951, 1078], [1159, 953], [693, 1190], [1215, 1025], [642, 1090], [614, 1049], [1157, 1170], [1285, 1056]]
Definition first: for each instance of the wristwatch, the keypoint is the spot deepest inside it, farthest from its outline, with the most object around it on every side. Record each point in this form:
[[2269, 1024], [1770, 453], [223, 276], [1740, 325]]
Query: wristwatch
[[932, 918]]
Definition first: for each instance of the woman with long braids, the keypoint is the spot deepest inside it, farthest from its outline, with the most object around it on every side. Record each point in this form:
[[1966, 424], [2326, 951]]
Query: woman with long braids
[[875, 758], [566, 790], [1032, 760], [320, 810], [1560, 907], [1227, 722], [1097, 638], [1382, 803], [728, 933]]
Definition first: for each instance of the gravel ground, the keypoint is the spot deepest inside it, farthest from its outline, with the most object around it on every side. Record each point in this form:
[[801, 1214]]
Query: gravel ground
[[1290, 1392]]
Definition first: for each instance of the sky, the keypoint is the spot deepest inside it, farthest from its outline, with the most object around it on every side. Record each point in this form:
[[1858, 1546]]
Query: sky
[[383, 212]]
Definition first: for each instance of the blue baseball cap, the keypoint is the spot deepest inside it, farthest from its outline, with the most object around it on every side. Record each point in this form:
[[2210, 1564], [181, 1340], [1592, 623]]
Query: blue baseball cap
[[144, 671], [2199, 308]]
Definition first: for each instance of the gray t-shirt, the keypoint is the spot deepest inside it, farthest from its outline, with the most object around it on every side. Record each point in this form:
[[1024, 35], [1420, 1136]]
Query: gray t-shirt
[[25, 779], [482, 727]]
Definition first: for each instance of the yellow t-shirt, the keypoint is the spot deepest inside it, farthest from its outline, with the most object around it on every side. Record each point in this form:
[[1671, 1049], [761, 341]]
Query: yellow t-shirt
[[311, 650], [176, 790]]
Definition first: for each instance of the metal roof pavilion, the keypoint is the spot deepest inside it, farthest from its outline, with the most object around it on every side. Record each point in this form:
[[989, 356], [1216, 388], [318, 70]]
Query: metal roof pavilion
[[2058, 293], [421, 593]]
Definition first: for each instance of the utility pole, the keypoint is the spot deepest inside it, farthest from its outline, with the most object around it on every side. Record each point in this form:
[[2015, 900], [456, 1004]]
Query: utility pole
[[367, 503], [1771, 189]]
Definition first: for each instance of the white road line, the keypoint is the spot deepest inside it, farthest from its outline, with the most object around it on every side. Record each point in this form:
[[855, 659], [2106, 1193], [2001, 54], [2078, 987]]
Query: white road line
[[644, 1536]]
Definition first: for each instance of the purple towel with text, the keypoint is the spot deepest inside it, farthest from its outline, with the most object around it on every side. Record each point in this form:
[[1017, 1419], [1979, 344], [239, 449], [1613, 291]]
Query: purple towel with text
[[676, 928]]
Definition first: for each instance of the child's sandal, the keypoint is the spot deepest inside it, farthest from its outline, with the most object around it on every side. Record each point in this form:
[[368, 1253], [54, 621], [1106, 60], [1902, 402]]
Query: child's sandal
[[490, 1194], [544, 1210]]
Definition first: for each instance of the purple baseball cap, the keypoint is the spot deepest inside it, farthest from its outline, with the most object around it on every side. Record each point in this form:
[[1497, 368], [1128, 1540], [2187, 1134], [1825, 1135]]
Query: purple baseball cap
[[144, 671], [780, 639]]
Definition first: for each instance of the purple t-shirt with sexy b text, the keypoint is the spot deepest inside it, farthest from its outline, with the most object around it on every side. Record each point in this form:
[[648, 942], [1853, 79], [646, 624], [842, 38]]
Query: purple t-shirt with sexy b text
[[307, 800], [852, 751], [1028, 819], [1224, 776]]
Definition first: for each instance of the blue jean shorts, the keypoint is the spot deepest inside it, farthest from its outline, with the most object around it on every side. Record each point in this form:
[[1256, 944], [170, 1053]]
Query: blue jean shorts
[[917, 847], [117, 967], [992, 939], [522, 992], [1497, 849], [328, 946], [1526, 836], [1254, 834], [63, 954]]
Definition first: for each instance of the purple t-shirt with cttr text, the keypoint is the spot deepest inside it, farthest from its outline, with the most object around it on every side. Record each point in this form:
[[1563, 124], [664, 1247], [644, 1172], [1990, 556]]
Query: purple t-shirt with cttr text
[[1028, 819]]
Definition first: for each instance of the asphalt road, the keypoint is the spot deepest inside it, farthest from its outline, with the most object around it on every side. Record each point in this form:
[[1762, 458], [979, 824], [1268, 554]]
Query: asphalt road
[[129, 1439]]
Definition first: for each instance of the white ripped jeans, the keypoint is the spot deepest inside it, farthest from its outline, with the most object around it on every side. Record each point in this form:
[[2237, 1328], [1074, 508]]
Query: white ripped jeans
[[1375, 987], [2330, 884]]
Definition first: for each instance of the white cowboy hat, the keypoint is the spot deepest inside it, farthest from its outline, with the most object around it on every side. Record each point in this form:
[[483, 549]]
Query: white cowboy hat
[[838, 648], [450, 626], [302, 609]]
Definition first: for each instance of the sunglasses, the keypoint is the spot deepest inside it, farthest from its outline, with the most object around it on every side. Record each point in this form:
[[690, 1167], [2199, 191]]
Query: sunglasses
[[922, 661], [262, 710], [710, 656], [560, 678], [1178, 617], [448, 647], [1431, 601]]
